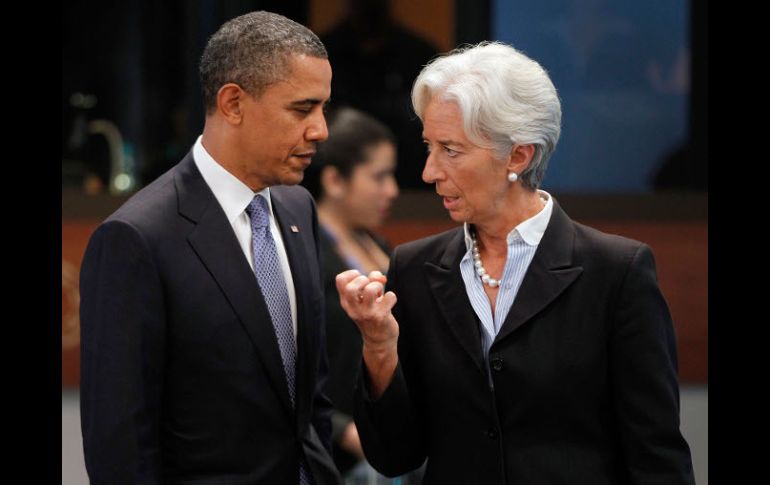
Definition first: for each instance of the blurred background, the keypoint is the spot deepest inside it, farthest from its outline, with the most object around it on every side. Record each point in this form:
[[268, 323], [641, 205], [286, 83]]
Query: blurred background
[[632, 158]]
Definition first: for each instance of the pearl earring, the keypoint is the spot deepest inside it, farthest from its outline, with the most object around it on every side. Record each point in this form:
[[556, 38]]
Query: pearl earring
[[512, 177]]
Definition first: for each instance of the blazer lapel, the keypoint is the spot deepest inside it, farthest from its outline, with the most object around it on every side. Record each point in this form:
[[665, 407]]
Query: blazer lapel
[[214, 242], [448, 287], [549, 274]]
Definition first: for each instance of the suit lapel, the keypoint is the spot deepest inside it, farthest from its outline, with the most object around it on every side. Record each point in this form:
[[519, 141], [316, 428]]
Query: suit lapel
[[299, 263], [448, 287], [214, 242], [549, 274]]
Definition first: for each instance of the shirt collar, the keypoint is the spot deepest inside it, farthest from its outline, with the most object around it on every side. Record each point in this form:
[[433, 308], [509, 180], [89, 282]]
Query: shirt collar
[[530, 231], [232, 194]]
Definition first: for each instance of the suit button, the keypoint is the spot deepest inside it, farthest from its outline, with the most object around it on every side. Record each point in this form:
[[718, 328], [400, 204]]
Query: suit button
[[492, 433], [497, 364]]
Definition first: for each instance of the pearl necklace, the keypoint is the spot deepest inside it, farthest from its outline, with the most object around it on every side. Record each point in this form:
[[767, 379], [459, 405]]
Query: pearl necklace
[[485, 278]]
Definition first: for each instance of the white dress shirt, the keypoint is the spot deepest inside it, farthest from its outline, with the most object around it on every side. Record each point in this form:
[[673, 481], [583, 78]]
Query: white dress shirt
[[234, 197]]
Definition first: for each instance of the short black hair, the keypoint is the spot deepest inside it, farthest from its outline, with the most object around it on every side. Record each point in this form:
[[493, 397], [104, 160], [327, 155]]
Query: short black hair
[[253, 51]]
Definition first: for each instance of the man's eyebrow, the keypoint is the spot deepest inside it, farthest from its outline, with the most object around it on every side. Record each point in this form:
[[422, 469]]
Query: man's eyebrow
[[309, 101]]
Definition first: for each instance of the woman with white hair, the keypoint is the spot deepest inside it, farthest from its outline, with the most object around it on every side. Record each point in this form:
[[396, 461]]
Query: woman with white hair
[[521, 347]]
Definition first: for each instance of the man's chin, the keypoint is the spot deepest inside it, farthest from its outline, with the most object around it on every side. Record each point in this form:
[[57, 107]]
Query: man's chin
[[293, 178]]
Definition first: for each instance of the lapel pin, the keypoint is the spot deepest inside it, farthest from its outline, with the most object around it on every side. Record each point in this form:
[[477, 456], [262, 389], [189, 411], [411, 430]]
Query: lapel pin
[[294, 228]]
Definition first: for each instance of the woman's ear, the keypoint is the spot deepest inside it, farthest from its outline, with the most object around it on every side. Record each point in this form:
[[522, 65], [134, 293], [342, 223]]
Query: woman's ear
[[230, 99], [333, 184], [519, 158]]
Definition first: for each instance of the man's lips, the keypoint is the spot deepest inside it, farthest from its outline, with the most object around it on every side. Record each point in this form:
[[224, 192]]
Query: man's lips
[[306, 158]]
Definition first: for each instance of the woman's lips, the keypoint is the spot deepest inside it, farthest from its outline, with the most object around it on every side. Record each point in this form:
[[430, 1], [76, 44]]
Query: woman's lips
[[451, 202]]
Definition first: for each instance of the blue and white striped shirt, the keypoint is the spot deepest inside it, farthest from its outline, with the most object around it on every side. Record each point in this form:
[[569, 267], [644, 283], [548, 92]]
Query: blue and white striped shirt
[[522, 244]]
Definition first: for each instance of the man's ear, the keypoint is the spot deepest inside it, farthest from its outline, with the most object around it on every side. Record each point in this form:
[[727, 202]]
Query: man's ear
[[230, 98]]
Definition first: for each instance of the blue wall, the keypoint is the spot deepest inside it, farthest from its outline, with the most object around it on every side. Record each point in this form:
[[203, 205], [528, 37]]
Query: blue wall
[[621, 69]]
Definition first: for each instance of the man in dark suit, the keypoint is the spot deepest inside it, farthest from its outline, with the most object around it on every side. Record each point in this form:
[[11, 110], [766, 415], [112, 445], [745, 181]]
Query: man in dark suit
[[201, 306]]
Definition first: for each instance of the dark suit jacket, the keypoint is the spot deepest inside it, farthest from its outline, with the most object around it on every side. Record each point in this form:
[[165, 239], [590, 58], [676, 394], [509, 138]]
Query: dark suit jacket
[[584, 370], [181, 374]]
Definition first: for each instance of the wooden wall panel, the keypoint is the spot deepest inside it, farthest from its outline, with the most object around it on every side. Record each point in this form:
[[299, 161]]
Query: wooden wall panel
[[74, 235], [680, 247]]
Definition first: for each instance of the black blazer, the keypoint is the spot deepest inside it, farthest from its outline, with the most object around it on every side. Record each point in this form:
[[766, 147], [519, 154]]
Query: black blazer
[[584, 370], [181, 374]]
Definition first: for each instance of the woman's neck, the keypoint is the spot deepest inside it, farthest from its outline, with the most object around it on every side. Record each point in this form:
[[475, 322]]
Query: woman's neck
[[334, 221], [492, 234]]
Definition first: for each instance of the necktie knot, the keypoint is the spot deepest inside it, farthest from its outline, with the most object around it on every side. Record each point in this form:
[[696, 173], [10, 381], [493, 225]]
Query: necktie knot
[[258, 212]]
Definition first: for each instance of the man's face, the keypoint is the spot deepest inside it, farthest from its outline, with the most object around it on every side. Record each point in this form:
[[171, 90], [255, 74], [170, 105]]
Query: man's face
[[282, 127]]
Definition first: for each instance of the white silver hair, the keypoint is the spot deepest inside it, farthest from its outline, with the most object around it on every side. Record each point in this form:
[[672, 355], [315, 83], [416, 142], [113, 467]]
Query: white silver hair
[[504, 98]]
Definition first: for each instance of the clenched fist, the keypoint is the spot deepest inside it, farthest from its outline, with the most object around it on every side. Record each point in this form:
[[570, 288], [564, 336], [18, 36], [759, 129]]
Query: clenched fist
[[363, 299]]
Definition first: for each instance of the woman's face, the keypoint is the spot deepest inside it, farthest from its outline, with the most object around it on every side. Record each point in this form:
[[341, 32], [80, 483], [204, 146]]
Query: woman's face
[[371, 187], [471, 180]]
